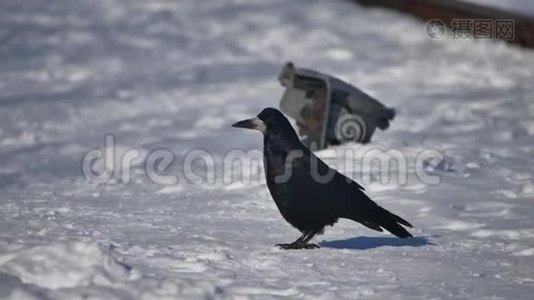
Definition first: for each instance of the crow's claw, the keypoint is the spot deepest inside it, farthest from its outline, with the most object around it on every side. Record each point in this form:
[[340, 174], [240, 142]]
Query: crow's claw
[[310, 246]]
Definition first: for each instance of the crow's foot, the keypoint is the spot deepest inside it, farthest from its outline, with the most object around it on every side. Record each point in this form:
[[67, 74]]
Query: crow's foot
[[295, 246]]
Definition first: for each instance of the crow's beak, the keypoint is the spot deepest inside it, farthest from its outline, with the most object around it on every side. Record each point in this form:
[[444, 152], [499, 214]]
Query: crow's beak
[[254, 123]]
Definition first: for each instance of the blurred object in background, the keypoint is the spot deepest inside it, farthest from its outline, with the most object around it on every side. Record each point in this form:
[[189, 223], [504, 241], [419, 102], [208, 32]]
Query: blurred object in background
[[518, 6], [511, 20], [312, 97]]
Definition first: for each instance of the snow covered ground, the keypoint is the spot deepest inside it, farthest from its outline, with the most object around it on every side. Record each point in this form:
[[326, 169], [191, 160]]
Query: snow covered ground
[[174, 75]]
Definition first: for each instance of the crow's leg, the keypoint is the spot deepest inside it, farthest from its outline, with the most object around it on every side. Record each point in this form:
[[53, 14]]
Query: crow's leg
[[291, 245], [308, 237], [301, 242]]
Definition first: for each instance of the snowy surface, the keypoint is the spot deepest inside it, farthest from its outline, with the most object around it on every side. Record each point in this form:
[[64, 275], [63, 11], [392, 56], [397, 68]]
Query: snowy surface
[[174, 75]]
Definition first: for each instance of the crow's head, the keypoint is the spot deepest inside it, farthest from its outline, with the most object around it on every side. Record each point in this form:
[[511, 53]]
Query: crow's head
[[269, 121]]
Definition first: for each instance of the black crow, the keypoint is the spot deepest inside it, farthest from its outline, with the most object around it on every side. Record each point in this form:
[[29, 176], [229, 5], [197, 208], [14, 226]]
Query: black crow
[[308, 193]]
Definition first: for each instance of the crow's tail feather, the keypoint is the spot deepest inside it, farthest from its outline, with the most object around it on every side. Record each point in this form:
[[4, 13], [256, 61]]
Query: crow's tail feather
[[399, 219], [391, 223], [372, 226], [397, 229], [381, 218]]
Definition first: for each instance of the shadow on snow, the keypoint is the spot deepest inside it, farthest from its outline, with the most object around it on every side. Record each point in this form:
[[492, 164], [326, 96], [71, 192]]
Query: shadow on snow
[[370, 242]]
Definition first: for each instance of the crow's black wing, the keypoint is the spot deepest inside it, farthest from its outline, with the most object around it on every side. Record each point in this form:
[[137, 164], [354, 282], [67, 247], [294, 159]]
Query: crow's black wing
[[343, 197], [337, 178]]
